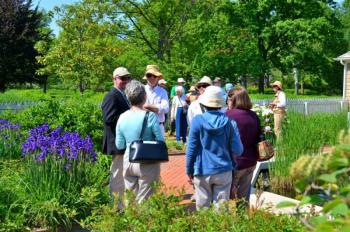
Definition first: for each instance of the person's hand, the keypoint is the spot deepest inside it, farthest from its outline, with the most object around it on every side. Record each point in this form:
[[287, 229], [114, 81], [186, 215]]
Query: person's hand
[[190, 179]]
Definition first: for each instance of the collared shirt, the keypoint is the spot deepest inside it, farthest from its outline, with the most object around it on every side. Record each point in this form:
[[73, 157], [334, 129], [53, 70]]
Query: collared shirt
[[158, 97], [281, 99]]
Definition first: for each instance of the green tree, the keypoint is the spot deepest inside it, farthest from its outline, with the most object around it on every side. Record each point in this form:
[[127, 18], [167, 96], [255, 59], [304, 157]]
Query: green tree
[[87, 47], [19, 25]]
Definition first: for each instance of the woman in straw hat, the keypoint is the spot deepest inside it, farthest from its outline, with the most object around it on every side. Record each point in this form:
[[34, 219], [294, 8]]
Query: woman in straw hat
[[278, 107], [212, 144]]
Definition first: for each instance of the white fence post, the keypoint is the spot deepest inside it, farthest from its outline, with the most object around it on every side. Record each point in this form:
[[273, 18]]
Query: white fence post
[[341, 106], [306, 108]]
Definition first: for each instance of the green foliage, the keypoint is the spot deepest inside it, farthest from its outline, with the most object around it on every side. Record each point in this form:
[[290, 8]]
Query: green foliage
[[76, 114], [165, 213], [326, 182]]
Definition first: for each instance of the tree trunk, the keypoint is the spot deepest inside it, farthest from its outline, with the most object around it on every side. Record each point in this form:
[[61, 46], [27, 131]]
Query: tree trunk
[[2, 86], [45, 86], [245, 81], [261, 83], [81, 87], [296, 81]]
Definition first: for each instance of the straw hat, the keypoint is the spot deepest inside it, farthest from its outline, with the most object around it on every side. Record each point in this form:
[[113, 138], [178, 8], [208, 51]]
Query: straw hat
[[205, 80], [192, 89], [154, 70], [212, 97], [181, 80], [278, 84]]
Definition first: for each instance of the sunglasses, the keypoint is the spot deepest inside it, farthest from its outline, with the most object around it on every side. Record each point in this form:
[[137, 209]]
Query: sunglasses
[[149, 75], [202, 86], [124, 78]]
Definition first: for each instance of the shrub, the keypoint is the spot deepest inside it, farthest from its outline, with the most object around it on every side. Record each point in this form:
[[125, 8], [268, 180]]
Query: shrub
[[76, 114], [165, 213]]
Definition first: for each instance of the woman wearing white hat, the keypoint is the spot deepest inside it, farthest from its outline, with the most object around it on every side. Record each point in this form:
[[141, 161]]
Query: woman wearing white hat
[[212, 144], [278, 107], [180, 82]]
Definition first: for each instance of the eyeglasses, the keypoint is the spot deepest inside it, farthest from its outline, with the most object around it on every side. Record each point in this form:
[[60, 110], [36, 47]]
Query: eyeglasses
[[202, 86], [149, 75], [124, 78]]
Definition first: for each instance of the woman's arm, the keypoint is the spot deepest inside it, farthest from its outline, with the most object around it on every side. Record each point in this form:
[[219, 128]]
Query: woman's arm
[[120, 141], [153, 121]]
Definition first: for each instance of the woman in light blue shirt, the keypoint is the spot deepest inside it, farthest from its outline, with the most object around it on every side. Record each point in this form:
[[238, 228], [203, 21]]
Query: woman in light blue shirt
[[138, 177]]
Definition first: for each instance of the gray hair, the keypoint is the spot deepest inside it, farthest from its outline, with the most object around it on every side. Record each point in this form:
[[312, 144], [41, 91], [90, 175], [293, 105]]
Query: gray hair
[[136, 92]]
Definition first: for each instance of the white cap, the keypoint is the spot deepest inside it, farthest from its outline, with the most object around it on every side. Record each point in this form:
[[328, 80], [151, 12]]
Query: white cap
[[162, 81], [120, 72], [180, 80], [212, 97]]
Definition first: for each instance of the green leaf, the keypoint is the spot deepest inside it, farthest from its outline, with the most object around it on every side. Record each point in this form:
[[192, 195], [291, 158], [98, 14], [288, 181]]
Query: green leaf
[[332, 204], [284, 204], [305, 200], [331, 178], [340, 209]]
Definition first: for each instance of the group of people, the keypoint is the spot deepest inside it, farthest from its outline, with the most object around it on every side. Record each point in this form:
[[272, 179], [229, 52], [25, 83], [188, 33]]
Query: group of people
[[222, 141]]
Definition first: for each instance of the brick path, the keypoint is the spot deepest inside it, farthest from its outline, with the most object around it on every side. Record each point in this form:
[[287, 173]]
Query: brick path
[[173, 175]]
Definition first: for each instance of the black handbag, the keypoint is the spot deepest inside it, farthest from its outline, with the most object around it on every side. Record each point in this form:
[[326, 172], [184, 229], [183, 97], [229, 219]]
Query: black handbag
[[147, 151]]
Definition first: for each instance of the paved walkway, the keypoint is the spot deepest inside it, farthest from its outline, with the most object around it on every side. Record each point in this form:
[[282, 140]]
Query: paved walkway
[[173, 175]]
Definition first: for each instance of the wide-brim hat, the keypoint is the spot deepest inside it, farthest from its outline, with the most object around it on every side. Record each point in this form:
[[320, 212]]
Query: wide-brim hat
[[277, 83], [212, 97], [154, 70], [162, 81], [205, 80]]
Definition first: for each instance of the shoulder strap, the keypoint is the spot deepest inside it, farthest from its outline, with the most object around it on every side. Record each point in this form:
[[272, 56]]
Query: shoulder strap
[[144, 125]]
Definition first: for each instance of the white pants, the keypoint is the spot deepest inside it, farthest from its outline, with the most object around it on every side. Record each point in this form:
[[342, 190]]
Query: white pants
[[212, 189], [116, 181], [140, 179]]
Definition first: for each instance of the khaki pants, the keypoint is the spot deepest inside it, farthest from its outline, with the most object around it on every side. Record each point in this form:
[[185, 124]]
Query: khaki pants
[[140, 179], [212, 189], [241, 183], [278, 120], [116, 181]]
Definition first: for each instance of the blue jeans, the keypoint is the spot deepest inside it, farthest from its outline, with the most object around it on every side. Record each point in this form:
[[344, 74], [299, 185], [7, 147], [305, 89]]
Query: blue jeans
[[181, 125]]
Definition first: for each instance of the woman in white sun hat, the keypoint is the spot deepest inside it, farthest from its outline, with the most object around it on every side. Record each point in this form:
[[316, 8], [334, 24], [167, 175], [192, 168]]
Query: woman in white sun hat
[[180, 82], [212, 144]]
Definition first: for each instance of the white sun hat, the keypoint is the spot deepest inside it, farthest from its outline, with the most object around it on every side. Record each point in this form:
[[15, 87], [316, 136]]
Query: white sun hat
[[180, 80], [162, 81], [212, 97]]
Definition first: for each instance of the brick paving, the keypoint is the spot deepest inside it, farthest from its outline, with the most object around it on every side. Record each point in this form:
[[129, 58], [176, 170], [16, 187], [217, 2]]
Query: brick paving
[[173, 175]]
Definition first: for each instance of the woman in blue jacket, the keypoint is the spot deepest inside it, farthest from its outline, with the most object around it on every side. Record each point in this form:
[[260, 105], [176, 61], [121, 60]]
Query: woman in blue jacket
[[213, 143]]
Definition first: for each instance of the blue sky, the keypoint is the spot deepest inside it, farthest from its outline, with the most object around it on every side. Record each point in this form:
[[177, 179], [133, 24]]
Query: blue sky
[[50, 4]]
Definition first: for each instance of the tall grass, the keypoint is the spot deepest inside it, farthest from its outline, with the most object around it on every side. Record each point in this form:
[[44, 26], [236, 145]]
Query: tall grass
[[306, 135]]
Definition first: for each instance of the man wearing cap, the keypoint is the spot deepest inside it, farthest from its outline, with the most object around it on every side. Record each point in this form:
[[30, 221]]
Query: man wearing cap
[[157, 97], [180, 82], [213, 143], [114, 104], [195, 107], [278, 107]]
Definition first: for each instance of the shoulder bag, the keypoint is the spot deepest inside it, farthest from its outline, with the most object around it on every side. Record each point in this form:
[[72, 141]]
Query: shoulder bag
[[147, 151], [265, 148]]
